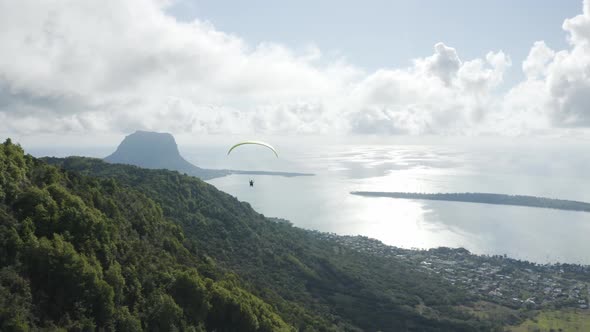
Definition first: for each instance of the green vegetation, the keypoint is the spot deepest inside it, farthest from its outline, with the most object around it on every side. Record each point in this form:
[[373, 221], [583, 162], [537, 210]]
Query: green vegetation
[[492, 311], [557, 320], [485, 198], [78, 253], [89, 245]]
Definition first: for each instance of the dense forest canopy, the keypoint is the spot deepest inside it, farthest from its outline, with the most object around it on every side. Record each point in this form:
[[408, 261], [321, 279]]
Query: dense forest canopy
[[81, 253]]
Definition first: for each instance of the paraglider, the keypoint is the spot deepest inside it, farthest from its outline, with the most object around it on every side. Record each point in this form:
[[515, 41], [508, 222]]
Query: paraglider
[[254, 143]]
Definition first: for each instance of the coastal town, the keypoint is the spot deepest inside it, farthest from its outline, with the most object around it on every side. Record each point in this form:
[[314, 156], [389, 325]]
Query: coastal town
[[499, 279]]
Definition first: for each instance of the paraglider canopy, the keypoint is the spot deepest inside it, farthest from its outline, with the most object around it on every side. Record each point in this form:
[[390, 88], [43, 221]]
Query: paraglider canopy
[[255, 143]]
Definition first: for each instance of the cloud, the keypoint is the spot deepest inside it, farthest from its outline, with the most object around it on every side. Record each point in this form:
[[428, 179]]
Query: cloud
[[579, 26], [121, 65], [535, 65], [557, 86], [444, 63], [439, 94], [130, 61]]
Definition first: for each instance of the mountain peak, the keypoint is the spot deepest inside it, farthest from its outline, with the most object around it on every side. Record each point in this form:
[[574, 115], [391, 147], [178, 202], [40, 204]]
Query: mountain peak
[[151, 150]]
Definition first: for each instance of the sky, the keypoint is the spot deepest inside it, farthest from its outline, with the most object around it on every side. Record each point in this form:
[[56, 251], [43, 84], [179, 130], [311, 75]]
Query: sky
[[385, 33], [306, 68]]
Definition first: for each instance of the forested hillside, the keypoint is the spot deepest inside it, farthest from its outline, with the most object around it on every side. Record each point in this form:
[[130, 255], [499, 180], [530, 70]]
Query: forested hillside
[[87, 244], [80, 253]]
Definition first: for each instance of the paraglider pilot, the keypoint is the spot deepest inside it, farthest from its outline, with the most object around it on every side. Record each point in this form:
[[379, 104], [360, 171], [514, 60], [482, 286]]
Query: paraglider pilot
[[251, 183]]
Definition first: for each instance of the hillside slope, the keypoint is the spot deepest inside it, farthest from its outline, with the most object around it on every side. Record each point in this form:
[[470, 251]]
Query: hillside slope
[[80, 254], [311, 283]]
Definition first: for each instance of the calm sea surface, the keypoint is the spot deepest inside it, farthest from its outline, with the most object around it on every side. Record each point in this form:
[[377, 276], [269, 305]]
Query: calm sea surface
[[323, 202]]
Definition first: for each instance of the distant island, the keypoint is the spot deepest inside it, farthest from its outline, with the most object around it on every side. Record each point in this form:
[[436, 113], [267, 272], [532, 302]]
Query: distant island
[[486, 198], [159, 151]]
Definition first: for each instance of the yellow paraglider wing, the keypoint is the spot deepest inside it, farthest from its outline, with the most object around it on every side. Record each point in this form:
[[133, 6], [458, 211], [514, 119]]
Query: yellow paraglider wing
[[255, 143]]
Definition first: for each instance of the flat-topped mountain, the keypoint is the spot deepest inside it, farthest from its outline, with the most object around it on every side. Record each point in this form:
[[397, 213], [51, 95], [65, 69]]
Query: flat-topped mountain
[[151, 150], [159, 151]]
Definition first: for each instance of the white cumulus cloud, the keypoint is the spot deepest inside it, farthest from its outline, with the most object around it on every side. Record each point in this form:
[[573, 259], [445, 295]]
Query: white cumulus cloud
[[438, 94], [556, 93], [120, 65]]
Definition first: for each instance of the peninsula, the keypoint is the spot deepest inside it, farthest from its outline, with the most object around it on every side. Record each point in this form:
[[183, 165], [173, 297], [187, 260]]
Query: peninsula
[[486, 198]]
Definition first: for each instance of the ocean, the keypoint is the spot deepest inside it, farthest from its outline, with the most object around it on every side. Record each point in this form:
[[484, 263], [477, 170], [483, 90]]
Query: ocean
[[323, 202]]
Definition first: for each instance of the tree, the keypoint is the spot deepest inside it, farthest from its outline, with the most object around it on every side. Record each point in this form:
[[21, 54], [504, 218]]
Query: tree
[[163, 314], [189, 291]]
